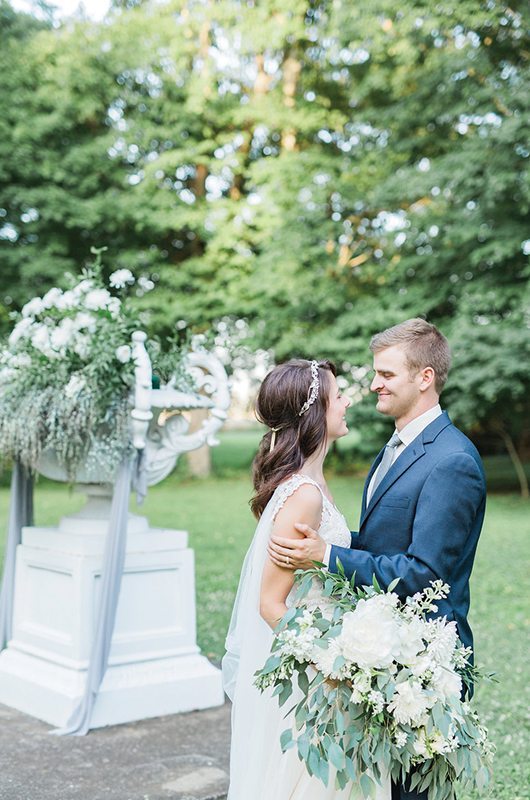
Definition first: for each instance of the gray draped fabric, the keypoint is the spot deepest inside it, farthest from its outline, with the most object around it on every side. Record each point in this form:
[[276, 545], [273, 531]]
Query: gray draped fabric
[[20, 515], [139, 480], [113, 561]]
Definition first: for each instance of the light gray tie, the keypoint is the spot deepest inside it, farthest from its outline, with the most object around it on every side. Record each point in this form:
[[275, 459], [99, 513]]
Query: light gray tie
[[386, 461]]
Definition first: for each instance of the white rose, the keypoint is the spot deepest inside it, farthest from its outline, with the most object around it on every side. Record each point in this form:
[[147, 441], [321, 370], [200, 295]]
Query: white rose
[[97, 299], [123, 353], [411, 641], [34, 307], [409, 703], [120, 278], [447, 683], [370, 634]]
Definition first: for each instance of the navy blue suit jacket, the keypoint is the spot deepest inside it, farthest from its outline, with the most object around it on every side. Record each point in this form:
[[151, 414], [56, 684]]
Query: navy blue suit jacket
[[423, 521]]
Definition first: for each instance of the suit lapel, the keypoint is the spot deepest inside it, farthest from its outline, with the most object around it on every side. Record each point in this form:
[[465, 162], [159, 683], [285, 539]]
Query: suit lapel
[[412, 453]]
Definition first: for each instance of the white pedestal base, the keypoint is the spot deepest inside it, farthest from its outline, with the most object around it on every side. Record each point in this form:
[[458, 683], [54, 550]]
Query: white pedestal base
[[155, 666]]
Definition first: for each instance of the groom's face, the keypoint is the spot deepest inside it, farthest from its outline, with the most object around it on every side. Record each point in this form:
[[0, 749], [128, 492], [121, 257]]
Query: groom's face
[[397, 390]]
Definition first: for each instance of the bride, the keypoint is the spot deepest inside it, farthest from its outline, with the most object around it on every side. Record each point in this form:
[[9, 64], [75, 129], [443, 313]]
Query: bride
[[301, 404]]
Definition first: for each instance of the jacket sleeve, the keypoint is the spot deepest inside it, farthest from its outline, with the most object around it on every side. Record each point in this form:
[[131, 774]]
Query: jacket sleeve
[[445, 513]]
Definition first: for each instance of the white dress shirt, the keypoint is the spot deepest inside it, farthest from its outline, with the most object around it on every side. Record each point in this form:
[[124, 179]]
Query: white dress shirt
[[407, 435]]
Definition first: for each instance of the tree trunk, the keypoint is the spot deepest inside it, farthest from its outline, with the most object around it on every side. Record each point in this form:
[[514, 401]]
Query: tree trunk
[[516, 460], [291, 73]]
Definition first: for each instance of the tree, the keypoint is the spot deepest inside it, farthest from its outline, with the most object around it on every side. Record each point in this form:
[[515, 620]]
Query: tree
[[320, 170]]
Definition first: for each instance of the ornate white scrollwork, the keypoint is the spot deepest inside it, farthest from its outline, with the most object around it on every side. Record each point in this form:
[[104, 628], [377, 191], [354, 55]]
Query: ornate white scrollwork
[[168, 435]]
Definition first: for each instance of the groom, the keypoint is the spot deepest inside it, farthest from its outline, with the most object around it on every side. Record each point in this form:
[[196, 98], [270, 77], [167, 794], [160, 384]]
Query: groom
[[424, 497]]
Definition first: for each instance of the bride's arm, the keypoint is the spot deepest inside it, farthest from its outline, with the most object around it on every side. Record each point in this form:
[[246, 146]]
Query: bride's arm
[[304, 505]]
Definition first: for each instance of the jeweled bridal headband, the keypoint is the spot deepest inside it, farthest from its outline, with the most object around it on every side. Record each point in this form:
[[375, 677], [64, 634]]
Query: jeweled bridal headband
[[312, 395], [313, 389]]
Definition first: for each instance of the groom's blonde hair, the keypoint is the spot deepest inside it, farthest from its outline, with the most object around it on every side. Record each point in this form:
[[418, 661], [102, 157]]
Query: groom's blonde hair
[[424, 346]]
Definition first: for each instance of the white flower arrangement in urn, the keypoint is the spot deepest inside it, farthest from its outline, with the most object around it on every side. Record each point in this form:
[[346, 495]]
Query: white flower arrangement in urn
[[67, 373]]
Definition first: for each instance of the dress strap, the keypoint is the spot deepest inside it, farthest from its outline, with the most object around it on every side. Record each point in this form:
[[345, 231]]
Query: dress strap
[[289, 487]]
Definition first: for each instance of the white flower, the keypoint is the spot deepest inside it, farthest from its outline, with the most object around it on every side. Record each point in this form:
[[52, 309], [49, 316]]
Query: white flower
[[306, 620], [362, 681], [421, 665], [377, 700], [67, 300], [324, 659], [447, 683], [442, 646], [34, 307], [20, 360], [420, 744], [83, 286], [50, 298], [85, 320], [370, 635], [145, 284], [123, 353], [41, 340], [113, 307], [81, 345], [120, 278], [97, 299], [400, 738], [74, 386], [20, 330], [411, 641], [409, 703], [439, 744], [299, 644], [60, 338]]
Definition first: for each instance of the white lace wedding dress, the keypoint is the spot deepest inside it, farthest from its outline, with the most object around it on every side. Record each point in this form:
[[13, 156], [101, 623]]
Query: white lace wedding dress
[[258, 768]]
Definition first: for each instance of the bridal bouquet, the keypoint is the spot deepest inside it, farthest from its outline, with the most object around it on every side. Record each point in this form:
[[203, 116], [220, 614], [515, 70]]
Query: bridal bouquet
[[379, 688]]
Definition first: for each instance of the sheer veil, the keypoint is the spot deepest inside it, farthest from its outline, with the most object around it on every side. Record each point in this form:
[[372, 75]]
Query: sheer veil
[[248, 644]]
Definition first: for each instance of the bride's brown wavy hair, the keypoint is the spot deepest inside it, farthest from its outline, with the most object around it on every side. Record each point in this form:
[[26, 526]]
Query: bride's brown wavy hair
[[281, 396]]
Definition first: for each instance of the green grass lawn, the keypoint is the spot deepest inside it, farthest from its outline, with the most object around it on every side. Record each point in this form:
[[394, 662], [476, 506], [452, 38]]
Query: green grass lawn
[[215, 512]]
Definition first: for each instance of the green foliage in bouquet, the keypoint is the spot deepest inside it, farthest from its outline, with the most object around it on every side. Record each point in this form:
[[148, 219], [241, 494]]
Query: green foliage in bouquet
[[67, 373], [379, 687]]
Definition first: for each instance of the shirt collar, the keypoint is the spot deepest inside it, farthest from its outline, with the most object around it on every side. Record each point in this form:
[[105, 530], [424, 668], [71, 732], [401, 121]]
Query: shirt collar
[[417, 425]]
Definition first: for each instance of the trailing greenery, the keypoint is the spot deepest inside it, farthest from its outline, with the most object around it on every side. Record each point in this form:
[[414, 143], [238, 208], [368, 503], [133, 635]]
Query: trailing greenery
[[67, 375]]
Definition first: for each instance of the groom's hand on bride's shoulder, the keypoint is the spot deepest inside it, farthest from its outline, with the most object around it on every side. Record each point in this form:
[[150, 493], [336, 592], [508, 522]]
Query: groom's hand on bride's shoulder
[[297, 553]]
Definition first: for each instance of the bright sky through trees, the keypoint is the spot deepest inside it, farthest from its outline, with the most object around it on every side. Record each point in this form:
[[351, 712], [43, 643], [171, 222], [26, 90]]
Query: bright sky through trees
[[95, 9]]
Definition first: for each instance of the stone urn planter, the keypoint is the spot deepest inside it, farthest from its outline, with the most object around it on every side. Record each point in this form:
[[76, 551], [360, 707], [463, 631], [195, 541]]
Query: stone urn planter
[[154, 665]]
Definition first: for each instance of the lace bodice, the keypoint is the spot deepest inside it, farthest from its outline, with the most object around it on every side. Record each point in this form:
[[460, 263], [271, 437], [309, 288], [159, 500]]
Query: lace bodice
[[333, 527]]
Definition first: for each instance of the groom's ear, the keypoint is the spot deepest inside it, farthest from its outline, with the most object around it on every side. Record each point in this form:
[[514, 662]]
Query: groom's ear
[[427, 378]]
